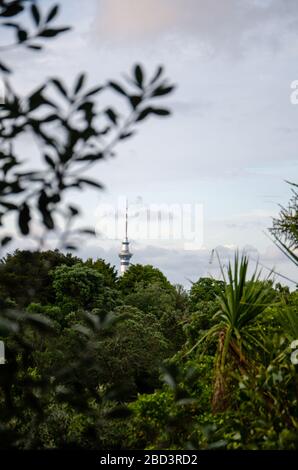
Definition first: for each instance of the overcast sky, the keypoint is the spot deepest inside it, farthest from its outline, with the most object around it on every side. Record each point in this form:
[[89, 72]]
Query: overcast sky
[[232, 140]]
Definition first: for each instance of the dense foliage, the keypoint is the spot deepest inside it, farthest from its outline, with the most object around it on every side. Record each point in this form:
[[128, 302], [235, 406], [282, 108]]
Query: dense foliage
[[285, 227], [93, 364]]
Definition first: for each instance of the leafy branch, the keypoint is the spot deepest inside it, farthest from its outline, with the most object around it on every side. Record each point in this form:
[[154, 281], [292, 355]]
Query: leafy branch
[[72, 133], [42, 27]]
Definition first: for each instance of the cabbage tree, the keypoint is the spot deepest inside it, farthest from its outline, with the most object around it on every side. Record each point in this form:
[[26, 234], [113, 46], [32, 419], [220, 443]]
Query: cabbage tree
[[242, 303]]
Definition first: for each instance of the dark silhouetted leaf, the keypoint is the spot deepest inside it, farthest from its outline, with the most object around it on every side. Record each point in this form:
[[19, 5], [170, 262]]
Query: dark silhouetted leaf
[[144, 114], [50, 118], [9, 165], [35, 47], [5, 240], [43, 202], [49, 161], [93, 91], [22, 35], [139, 75], [48, 220], [24, 219], [70, 247], [35, 14], [80, 83], [90, 157], [10, 25], [90, 183], [12, 9], [160, 112], [126, 135], [4, 68], [36, 99], [53, 12], [157, 75], [87, 231], [112, 115], [60, 87], [105, 131], [117, 88], [9, 205], [73, 210], [50, 33], [162, 90]]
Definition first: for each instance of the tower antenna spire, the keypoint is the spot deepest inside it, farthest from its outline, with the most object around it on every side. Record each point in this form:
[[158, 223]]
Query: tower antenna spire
[[126, 220]]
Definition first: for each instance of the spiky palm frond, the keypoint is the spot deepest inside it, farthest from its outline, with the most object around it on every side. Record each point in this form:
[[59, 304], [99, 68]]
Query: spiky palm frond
[[242, 302], [289, 251], [285, 227]]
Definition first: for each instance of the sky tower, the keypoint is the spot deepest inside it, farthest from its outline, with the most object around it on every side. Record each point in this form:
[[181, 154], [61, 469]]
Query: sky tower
[[125, 254]]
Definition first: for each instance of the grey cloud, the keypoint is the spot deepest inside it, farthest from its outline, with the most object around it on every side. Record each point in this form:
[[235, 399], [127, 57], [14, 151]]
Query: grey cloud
[[230, 25], [182, 266]]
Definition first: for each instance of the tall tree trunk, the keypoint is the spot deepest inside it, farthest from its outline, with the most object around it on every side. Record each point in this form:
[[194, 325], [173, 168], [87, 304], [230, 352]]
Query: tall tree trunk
[[219, 400]]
